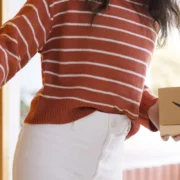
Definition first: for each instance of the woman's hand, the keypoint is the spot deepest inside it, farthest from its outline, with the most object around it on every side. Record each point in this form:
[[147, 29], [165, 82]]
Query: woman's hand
[[153, 114]]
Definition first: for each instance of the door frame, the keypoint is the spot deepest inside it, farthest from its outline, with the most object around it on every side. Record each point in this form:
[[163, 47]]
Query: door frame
[[4, 130]]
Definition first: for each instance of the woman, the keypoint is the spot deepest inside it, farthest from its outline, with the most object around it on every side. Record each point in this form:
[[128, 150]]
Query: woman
[[93, 95]]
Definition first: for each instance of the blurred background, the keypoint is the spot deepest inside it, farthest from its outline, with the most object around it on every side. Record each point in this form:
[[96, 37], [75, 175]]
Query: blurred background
[[146, 156]]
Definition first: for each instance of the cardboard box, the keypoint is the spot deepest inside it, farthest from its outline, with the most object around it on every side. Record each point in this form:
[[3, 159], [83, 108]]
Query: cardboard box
[[169, 111]]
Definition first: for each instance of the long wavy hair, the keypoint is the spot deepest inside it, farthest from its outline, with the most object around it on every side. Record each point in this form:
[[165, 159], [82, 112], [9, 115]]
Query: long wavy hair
[[164, 12]]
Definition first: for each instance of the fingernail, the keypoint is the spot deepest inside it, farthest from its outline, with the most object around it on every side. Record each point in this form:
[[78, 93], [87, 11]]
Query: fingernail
[[165, 138], [177, 138]]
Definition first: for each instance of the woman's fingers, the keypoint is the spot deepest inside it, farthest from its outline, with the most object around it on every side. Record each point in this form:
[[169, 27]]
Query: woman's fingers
[[165, 138], [176, 138]]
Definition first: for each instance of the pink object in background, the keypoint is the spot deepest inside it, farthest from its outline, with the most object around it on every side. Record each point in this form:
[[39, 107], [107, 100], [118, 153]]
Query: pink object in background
[[168, 172]]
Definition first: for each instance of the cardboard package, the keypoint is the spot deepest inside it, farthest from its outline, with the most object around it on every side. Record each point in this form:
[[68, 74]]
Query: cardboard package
[[169, 111]]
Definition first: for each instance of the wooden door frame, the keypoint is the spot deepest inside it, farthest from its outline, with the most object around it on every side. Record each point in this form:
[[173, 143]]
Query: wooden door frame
[[1, 115], [4, 130]]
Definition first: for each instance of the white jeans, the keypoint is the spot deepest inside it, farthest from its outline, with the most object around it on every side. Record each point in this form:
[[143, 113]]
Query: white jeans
[[90, 148]]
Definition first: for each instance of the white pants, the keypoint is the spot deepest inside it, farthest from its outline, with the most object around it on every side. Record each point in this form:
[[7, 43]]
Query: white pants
[[90, 148]]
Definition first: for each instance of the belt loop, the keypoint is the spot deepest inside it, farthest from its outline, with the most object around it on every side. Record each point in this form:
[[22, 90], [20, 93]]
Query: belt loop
[[129, 126]]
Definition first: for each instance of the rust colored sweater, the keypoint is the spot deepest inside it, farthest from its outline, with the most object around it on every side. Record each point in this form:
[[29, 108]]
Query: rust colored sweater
[[84, 68]]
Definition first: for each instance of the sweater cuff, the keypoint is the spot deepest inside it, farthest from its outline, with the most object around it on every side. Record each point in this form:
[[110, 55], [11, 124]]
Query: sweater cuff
[[146, 102]]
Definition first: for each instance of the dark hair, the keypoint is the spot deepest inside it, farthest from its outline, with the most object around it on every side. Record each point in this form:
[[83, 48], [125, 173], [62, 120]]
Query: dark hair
[[164, 12]]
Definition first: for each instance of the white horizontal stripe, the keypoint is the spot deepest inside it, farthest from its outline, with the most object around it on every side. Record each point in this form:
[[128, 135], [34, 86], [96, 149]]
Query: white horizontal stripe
[[71, 11], [108, 16], [62, 1], [16, 17], [102, 39], [16, 57], [93, 90], [57, 2], [39, 20], [47, 9], [132, 11], [12, 54], [9, 37], [2, 68], [112, 5], [126, 9], [22, 37], [98, 51], [140, 4], [32, 29], [93, 77], [104, 27], [7, 63], [135, 115], [95, 64], [87, 101]]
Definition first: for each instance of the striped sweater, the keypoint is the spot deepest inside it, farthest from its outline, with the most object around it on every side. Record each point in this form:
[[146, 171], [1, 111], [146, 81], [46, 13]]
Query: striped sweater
[[84, 68]]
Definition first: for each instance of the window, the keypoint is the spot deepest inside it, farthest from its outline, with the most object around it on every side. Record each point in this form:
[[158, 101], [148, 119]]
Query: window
[[146, 149], [19, 91]]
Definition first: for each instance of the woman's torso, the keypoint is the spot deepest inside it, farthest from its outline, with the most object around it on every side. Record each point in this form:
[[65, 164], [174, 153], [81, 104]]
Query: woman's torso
[[101, 67]]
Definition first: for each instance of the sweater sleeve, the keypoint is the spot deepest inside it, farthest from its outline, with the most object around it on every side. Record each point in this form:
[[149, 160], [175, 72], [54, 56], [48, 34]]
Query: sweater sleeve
[[22, 37], [146, 102]]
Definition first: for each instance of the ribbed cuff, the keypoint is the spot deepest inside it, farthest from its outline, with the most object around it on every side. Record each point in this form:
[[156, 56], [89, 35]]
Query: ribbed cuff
[[146, 102]]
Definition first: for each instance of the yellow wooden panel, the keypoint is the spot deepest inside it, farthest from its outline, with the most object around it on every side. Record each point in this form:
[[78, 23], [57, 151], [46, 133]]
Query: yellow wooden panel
[[1, 123], [4, 141]]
